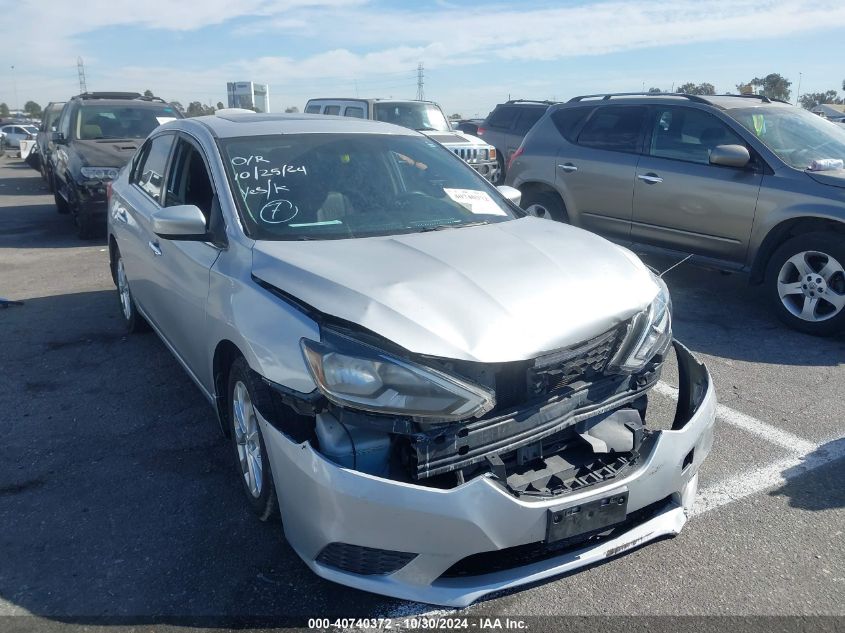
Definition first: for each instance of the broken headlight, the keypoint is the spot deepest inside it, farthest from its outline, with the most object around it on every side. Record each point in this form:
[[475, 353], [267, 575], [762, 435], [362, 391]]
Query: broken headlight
[[350, 373], [650, 333]]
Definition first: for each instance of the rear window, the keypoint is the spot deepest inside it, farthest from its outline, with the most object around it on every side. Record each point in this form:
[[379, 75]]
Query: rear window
[[120, 121], [527, 118], [614, 128], [503, 117], [354, 111], [312, 109], [568, 121], [332, 110]]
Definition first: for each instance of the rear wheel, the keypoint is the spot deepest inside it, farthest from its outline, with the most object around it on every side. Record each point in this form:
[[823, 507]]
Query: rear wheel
[[805, 281], [133, 321], [544, 204], [246, 393]]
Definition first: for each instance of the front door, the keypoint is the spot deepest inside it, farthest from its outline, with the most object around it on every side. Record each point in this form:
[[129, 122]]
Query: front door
[[684, 203]]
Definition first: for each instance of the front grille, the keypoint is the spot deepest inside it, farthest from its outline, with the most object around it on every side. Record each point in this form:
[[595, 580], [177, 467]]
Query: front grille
[[521, 555], [366, 561], [470, 154], [584, 362]]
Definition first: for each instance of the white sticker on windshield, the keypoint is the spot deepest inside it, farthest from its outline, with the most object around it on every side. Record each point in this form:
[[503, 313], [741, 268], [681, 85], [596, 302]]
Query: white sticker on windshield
[[478, 202], [165, 119]]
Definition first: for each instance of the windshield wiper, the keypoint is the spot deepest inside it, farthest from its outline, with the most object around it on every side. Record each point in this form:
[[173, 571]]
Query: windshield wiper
[[443, 227]]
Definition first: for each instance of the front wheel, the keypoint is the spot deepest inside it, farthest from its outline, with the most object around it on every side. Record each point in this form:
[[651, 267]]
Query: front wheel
[[805, 281], [246, 392]]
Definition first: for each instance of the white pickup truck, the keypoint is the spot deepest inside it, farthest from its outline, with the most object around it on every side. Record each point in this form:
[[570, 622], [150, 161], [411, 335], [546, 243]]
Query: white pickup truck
[[424, 116]]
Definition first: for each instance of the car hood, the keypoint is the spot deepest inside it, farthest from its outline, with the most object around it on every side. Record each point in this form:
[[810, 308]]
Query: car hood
[[495, 293], [833, 177], [454, 137], [107, 153]]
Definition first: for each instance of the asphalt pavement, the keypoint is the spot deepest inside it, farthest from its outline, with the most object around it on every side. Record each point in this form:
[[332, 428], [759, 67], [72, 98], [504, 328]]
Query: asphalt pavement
[[119, 500]]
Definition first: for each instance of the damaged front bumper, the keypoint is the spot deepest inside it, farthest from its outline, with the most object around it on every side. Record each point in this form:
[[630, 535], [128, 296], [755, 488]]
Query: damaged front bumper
[[453, 546]]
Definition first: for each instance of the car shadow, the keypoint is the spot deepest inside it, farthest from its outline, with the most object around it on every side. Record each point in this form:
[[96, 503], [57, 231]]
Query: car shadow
[[724, 316], [818, 482], [119, 497]]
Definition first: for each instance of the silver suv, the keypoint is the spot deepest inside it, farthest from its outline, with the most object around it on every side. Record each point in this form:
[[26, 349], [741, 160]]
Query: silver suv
[[433, 389], [741, 182]]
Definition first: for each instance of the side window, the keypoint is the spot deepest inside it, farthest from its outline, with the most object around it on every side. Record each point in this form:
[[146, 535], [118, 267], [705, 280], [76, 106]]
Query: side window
[[64, 126], [188, 181], [335, 109], [149, 174], [527, 118], [568, 121], [614, 128], [312, 109], [688, 134], [503, 118], [354, 111]]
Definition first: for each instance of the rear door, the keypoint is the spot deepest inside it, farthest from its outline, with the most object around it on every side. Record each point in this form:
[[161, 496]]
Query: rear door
[[596, 172], [683, 202], [497, 128], [528, 116], [181, 268]]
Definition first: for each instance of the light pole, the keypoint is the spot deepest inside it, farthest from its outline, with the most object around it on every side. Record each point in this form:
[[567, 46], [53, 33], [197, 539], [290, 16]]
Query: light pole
[[15, 87]]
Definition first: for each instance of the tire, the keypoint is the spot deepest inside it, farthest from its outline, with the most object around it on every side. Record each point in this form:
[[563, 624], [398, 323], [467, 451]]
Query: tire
[[544, 204], [246, 394], [132, 319], [805, 283], [87, 227], [500, 180], [61, 204]]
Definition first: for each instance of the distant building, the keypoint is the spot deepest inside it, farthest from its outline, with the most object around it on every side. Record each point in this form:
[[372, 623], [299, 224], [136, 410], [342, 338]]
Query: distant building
[[247, 94]]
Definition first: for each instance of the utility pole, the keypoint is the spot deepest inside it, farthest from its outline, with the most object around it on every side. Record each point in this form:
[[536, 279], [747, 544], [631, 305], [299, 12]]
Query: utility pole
[[80, 70], [798, 92], [420, 77], [15, 86]]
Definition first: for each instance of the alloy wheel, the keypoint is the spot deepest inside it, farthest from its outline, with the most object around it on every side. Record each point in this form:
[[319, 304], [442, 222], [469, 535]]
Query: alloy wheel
[[811, 286], [123, 290], [247, 439]]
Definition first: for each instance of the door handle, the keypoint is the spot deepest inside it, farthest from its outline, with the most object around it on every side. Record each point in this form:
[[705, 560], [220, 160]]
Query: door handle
[[651, 179], [154, 248], [568, 167]]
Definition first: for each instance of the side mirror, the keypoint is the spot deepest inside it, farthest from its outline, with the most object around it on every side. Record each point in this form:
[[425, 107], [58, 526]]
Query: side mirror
[[182, 222], [729, 156], [512, 194], [58, 138]]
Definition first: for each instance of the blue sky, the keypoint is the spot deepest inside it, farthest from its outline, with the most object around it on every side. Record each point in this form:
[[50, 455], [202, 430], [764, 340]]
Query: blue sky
[[475, 53]]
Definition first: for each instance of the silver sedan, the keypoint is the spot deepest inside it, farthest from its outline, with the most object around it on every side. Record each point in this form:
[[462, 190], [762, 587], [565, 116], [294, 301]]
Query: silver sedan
[[440, 396]]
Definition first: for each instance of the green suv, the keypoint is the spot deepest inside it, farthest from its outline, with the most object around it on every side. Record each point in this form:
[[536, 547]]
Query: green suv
[[742, 183]]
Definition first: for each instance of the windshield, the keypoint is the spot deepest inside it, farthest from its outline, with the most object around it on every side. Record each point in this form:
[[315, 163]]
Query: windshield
[[797, 136], [121, 121], [416, 115], [334, 186]]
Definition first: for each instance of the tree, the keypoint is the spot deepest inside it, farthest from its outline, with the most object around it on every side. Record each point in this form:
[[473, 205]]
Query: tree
[[773, 85], [654, 91], [32, 109], [697, 89], [220, 105], [148, 93], [455, 117], [196, 108], [4, 110], [810, 100], [291, 109], [178, 106]]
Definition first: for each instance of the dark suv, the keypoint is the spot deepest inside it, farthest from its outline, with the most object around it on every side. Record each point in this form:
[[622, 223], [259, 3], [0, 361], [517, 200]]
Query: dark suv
[[45, 144], [740, 182], [96, 134], [506, 126]]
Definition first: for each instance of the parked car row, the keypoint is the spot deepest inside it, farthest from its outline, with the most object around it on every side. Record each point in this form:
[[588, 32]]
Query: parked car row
[[361, 309]]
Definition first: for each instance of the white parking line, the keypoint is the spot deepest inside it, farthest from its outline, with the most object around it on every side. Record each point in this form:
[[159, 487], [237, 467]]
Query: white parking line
[[768, 432], [771, 476]]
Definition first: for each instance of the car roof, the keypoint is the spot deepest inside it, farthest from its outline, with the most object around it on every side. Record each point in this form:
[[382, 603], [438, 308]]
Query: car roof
[[371, 100], [141, 103], [231, 125], [723, 102]]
